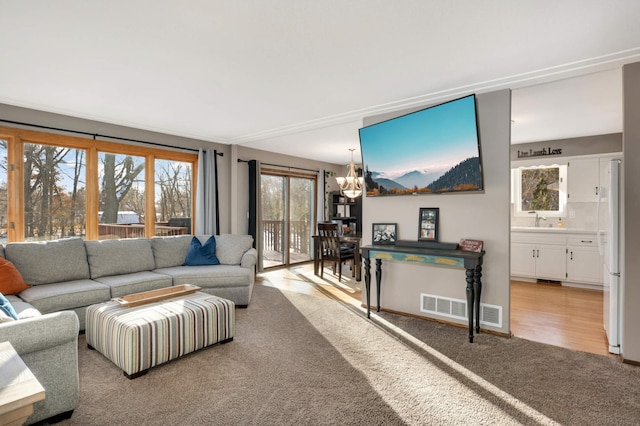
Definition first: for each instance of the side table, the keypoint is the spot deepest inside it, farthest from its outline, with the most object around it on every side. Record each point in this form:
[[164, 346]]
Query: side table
[[19, 389]]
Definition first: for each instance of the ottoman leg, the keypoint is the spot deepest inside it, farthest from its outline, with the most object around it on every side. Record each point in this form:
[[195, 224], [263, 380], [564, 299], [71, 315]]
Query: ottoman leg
[[135, 375]]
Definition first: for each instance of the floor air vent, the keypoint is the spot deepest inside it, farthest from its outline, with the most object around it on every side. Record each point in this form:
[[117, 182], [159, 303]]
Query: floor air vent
[[456, 308]]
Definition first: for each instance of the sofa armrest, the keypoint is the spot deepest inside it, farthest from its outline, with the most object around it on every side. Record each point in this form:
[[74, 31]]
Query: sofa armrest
[[249, 258], [39, 333], [48, 345]]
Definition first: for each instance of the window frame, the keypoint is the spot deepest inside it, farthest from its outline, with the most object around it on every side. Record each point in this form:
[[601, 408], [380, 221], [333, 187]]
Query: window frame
[[562, 188], [16, 138]]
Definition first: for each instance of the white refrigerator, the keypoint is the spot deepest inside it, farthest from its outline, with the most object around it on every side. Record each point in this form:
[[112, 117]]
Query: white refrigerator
[[611, 252]]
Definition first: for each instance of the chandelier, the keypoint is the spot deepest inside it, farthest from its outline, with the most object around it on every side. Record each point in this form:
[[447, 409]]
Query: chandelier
[[351, 185]]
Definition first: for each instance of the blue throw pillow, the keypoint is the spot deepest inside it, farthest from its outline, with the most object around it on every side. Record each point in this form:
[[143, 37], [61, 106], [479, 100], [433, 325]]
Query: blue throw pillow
[[202, 254], [5, 306]]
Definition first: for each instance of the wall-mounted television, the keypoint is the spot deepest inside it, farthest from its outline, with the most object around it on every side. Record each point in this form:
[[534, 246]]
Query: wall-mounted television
[[431, 151]]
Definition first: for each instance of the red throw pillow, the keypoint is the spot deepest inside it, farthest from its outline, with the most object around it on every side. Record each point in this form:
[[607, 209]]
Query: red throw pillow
[[11, 281]]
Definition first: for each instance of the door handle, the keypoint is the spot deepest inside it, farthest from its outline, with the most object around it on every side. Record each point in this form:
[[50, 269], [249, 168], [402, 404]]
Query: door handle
[[571, 257]]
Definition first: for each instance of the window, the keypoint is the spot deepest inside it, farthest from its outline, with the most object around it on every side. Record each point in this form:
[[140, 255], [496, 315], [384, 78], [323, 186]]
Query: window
[[122, 200], [54, 192], [57, 186], [173, 197], [541, 189]]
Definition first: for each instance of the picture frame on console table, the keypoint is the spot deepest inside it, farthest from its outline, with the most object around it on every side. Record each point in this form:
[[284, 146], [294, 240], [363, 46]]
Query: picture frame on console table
[[384, 233], [428, 224]]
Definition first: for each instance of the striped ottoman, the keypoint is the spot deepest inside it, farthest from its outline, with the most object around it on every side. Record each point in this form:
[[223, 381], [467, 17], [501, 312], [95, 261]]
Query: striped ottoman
[[138, 338]]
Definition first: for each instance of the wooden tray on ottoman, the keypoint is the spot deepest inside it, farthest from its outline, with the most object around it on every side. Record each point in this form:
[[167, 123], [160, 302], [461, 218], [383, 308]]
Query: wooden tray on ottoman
[[145, 297]]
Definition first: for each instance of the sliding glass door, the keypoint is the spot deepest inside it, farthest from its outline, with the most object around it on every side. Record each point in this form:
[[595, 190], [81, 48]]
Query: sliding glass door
[[288, 206]]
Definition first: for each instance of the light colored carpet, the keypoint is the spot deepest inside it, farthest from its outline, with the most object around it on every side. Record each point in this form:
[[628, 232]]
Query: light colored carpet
[[300, 359]]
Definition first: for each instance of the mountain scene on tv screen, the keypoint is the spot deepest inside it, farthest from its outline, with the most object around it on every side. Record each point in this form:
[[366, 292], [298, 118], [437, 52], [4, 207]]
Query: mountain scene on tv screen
[[464, 176]]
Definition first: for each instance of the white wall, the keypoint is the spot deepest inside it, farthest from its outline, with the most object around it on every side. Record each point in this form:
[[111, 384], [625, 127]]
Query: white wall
[[483, 216]]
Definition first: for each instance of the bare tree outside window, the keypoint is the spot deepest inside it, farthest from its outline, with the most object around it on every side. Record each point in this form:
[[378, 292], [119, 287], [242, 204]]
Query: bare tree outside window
[[173, 197], [540, 189], [122, 195], [54, 192]]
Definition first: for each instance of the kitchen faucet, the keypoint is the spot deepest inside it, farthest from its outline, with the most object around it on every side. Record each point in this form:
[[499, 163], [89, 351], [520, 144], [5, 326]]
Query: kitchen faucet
[[538, 218]]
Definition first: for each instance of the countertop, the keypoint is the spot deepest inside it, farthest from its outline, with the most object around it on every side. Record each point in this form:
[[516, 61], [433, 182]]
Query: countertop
[[554, 230]]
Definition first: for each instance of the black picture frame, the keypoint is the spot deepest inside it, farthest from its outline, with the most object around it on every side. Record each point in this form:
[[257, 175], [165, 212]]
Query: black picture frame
[[428, 224], [384, 233]]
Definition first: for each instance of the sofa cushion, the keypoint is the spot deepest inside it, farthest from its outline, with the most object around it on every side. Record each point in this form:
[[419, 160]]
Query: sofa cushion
[[6, 310], [170, 251], [210, 276], [11, 281], [202, 254], [116, 257], [65, 295], [121, 285], [22, 308], [230, 248], [49, 261]]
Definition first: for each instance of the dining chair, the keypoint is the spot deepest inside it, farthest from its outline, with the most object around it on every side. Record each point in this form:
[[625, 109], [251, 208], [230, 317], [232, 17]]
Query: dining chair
[[333, 250]]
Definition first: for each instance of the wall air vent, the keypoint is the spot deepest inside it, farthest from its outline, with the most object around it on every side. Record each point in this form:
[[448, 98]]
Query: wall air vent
[[456, 308]]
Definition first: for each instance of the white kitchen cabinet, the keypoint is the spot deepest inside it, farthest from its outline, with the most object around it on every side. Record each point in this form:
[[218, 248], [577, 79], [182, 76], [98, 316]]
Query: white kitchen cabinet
[[584, 263], [523, 260], [559, 255], [583, 180], [538, 256], [550, 262]]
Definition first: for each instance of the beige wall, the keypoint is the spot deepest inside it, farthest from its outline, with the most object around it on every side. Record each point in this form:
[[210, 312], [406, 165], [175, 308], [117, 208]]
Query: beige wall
[[483, 216], [630, 210]]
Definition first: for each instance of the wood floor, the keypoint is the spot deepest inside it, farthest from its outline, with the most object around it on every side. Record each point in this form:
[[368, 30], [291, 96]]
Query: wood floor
[[562, 316]]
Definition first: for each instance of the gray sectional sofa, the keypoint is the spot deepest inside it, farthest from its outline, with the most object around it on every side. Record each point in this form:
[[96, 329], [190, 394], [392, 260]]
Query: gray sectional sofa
[[66, 276], [71, 274]]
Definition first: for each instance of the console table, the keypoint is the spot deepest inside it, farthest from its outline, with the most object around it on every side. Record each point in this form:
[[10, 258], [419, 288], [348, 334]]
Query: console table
[[470, 261]]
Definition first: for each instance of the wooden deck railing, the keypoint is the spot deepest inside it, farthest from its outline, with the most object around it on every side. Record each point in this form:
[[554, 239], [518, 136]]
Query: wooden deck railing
[[109, 231], [273, 232], [299, 238]]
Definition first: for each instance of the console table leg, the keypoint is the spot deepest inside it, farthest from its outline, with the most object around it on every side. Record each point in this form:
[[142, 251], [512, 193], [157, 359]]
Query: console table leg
[[367, 284], [470, 301], [477, 289], [378, 281]]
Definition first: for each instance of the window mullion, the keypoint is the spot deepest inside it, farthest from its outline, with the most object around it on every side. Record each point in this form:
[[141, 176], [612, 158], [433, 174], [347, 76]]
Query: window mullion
[[93, 193], [150, 203]]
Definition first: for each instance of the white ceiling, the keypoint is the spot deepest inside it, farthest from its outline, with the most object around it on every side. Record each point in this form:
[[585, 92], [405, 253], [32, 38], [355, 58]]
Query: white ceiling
[[298, 76]]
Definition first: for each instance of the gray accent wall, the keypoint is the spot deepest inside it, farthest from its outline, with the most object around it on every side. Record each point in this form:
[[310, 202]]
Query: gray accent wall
[[483, 216], [570, 147], [232, 176], [630, 211]]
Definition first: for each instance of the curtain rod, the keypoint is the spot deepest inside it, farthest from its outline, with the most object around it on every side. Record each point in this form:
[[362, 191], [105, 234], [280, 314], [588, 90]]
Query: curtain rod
[[98, 135], [278, 165]]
